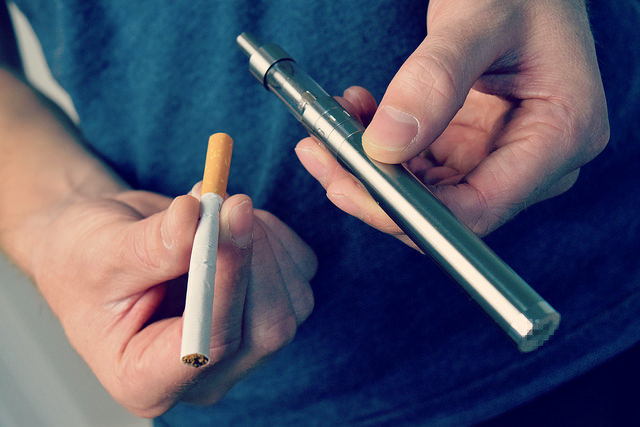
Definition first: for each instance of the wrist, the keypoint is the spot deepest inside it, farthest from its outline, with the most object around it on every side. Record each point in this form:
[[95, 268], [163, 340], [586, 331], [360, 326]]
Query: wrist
[[25, 232], [43, 168]]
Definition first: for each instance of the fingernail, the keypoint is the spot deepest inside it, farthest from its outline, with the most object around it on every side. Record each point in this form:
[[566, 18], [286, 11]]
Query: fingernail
[[195, 190], [167, 226], [241, 224], [391, 130]]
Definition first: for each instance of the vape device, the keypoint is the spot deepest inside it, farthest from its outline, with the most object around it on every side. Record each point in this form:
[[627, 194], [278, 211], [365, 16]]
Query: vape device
[[527, 318]]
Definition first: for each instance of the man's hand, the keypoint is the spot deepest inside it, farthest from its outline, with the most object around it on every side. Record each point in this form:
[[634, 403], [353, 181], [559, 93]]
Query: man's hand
[[113, 269], [497, 109], [111, 263]]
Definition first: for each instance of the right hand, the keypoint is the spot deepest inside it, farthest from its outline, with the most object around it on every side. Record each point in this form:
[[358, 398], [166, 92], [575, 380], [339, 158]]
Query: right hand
[[497, 109], [113, 269]]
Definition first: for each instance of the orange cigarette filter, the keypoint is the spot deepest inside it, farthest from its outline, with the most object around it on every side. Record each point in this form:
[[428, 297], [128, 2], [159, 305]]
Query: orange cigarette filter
[[216, 167]]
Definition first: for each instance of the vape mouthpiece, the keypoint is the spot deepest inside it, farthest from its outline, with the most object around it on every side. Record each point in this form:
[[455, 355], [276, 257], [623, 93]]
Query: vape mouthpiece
[[248, 44], [261, 57]]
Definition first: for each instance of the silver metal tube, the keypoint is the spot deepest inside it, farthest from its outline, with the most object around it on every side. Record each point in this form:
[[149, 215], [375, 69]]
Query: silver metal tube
[[527, 318]]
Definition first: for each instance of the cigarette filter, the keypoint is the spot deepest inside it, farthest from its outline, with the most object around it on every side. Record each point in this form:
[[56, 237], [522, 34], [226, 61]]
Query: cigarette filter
[[196, 326], [527, 318]]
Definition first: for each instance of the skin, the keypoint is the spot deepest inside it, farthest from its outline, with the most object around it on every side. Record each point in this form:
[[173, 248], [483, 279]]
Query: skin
[[496, 110], [507, 103], [111, 263]]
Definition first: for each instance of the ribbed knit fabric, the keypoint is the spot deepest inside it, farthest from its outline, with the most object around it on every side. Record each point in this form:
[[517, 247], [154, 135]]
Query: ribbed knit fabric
[[392, 340]]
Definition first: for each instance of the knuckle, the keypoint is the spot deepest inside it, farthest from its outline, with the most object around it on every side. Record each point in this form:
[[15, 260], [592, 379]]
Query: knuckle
[[479, 211], [483, 219], [271, 338], [487, 222], [225, 343], [602, 138], [131, 399], [587, 132], [567, 182], [126, 388], [306, 304], [140, 251], [595, 133], [431, 76]]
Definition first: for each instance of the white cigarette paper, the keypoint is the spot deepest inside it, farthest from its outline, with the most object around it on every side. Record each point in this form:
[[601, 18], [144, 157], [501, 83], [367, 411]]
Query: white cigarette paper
[[196, 327]]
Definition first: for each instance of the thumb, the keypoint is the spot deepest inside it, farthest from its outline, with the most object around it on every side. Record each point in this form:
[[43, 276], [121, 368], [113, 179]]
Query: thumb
[[426, 93], [157, 248]]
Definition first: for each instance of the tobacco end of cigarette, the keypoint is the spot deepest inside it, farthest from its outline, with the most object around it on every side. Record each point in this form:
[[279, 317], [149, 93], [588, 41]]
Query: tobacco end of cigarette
[[216, 167], [196, 360]]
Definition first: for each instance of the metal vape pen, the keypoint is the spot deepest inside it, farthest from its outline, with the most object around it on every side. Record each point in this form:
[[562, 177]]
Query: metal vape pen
[[527, 318]]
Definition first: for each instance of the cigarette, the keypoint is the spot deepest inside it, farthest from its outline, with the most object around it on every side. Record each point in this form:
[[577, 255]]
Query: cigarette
[[196, 326]]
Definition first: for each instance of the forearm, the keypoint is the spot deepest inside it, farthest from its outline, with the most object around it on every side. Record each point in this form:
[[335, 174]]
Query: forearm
[[43, 166]]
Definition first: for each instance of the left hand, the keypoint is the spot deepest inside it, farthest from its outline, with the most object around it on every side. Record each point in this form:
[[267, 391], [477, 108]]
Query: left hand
[[496, 110], [113, 270]]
